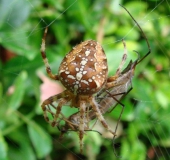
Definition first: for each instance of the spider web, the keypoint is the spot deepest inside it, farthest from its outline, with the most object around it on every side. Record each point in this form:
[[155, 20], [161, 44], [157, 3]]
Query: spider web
[[144, 129]]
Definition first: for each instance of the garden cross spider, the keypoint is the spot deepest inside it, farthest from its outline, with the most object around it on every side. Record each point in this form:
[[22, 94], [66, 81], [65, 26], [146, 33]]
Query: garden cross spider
[[84, 74], [107, 100]]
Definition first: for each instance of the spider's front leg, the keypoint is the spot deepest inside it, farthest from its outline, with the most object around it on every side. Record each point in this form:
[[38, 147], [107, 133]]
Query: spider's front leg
[[49, 107], [82, 123], [43, 54], [111, 80], [99, 114]]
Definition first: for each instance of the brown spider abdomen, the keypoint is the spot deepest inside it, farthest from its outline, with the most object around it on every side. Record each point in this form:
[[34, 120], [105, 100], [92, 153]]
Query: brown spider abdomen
[[84, 69]]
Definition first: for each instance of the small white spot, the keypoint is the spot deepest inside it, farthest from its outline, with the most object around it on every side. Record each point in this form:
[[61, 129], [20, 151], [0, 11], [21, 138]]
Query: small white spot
[[62, 70], [79, 55], [77, 69], [91, 59], [87, 53], [104, 67], [74, 63], [95, 55], [79, 76], [67, 72], [70, 76], [93, 77], [90, 80], [83, 62], [77, 82], [95, 65], [84, 72], [81, 69], [84, 81], [98, 84]]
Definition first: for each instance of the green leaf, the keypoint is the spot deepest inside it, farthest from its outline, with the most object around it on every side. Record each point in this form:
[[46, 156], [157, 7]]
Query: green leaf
[[20, 147], [133, 151], [1, 90], [3, 148], [40, 140], [19, 90], [162, 99], [20, 12], [92, 142]]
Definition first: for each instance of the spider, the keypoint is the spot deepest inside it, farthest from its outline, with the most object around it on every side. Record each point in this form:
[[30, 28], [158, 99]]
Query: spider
[[84, 74], [111, 97], [106, 99]]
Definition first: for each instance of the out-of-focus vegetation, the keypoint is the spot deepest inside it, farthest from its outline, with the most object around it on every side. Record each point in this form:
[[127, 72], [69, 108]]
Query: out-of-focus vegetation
[[24, 134]]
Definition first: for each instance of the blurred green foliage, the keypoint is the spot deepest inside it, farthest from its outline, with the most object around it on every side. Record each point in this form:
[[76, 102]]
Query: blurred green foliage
[[24, 134]]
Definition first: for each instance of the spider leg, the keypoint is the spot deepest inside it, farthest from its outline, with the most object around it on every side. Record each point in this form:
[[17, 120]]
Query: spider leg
[[146, 39], [43, 54], [82, 122], [62, 98], [120, 115], [112, 84], [123, 106], [124, 57], [118, 72], [99, 114], [58, 110], [113, 96]]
